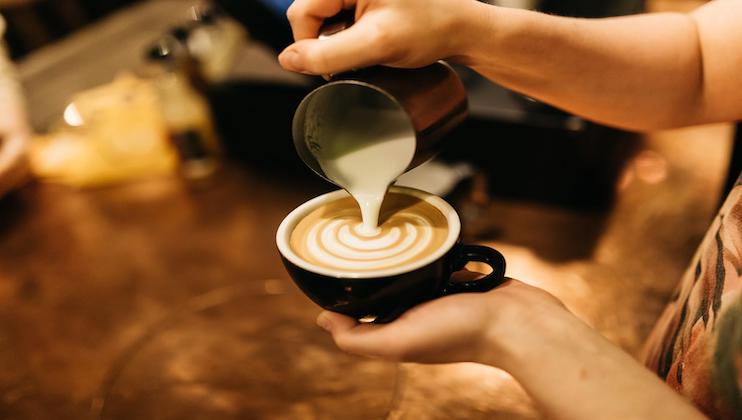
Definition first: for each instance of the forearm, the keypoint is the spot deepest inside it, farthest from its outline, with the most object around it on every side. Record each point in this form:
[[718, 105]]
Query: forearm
[[12, 105], [640, 72], [573, 373]]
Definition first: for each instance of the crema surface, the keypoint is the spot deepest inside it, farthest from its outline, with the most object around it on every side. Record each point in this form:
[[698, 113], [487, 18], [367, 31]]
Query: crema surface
[[332, 235]]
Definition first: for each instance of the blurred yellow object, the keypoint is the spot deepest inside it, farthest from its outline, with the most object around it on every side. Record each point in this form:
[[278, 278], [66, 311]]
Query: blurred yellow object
[[113, 133]]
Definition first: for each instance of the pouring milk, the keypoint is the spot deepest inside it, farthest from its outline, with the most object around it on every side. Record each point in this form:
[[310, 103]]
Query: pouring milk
[[363, 149]]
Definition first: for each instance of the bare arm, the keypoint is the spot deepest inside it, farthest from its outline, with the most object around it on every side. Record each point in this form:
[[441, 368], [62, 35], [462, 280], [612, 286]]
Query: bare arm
[[639, 72], [581, 375]]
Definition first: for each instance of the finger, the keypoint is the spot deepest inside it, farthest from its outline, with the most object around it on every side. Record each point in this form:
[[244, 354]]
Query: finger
[[370, 340], [466, 275], [306, 16], [387, 341], [332, 321], [351, 336], [350, 49]]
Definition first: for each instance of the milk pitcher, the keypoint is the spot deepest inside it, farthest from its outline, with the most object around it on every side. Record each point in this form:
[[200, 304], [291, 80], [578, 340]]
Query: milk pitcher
[[363, 107]]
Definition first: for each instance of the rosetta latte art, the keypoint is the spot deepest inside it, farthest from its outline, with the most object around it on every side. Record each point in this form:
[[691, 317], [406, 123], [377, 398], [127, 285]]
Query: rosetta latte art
[[332, 236]]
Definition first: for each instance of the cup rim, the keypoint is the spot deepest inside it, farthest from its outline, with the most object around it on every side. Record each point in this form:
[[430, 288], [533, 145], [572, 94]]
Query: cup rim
[[283, 235]]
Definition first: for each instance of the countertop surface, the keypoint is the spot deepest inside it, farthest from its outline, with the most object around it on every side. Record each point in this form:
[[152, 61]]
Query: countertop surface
[[153, 300]]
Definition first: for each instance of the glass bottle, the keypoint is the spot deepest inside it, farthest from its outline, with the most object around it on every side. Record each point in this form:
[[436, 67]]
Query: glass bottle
[[185, 110]]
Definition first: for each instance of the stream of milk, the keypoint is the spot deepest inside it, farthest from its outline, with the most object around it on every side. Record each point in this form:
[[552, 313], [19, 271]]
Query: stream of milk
[[364, 150]]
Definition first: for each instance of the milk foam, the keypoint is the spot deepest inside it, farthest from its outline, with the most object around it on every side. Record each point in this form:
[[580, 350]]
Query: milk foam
[[332, 235], [334, 245]]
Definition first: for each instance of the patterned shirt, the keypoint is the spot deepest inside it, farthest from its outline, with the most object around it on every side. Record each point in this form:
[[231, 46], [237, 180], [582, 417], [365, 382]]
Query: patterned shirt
[[696, 346]]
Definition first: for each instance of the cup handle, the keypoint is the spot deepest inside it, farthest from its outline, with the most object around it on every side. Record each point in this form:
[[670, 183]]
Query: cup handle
[[478, 253]]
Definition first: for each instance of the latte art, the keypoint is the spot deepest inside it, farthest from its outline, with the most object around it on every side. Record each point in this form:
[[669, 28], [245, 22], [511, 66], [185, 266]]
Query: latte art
[[332, 236]]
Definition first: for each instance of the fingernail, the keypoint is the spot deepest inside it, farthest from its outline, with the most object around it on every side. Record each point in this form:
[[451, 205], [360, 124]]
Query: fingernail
[[290, 60], [323, 322]]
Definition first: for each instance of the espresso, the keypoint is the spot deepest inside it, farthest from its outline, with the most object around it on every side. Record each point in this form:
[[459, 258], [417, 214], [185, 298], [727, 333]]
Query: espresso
[[332, 236]]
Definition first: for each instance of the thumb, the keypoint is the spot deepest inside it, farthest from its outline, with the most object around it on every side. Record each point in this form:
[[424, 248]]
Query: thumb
[[350, 49]]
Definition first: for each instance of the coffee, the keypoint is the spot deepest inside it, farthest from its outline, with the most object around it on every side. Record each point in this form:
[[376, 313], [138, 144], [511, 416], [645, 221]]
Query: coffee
[[410, 260], [332, 235]]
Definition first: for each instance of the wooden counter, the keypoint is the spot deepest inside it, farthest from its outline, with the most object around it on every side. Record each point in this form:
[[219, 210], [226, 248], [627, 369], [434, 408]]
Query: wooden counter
[[154, 301]]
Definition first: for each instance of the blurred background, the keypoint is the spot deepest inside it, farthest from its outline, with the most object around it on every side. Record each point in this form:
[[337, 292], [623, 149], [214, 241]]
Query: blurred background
[[138, 271], [33, 24]]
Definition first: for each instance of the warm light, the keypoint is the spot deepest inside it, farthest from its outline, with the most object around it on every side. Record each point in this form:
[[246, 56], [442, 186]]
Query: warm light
[[651, 167], [72, 116], [274, 287]]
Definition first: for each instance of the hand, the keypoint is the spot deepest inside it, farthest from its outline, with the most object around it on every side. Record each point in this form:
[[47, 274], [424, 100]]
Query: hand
[[409, 33], [468, 327], [531, 335]]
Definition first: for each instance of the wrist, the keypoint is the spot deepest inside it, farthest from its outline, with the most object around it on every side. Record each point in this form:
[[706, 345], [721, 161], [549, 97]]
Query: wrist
[[524, 333], [475, 29]]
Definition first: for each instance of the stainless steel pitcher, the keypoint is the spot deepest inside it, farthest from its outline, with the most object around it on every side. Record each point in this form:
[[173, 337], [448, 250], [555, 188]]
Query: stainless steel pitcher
[[432, 99]]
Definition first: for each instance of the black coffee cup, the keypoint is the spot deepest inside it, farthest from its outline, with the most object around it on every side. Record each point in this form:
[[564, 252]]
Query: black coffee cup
[[384, 295]]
